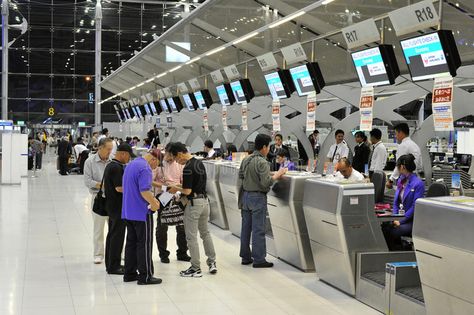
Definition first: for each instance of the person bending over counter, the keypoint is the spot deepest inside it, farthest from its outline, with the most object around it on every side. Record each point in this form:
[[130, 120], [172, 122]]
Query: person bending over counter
[[283, 162], [346, 171], [409, 188]]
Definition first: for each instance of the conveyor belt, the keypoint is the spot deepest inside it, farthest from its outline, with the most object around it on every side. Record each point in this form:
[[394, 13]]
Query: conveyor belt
[[377, 277], [413, 292]]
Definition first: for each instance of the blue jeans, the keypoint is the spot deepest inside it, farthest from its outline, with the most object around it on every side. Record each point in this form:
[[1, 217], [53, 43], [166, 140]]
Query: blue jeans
[[254, 213]]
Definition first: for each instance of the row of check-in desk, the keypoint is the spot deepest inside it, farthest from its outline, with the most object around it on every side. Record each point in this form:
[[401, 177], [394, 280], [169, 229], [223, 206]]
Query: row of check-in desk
[[332, 228]]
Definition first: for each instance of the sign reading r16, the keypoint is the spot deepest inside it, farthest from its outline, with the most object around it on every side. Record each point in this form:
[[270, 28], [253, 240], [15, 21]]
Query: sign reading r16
[[424, 14]]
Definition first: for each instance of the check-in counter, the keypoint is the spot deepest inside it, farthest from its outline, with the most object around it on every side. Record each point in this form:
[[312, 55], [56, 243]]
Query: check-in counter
[[216, 204], [228, 181], [341, 222], [285, 208], [443, 236]]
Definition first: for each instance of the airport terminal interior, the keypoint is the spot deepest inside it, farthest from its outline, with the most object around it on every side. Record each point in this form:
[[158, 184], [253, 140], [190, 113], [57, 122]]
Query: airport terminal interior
[[237, 157]]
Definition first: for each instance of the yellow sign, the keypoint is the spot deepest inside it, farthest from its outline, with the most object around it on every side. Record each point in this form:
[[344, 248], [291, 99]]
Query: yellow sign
[[51, 111]]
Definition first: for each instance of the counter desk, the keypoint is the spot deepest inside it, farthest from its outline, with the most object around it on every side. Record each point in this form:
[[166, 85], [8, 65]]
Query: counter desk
[[217, 213]]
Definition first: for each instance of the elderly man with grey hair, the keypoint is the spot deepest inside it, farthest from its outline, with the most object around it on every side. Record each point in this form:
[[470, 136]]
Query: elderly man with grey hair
[[94, 168]]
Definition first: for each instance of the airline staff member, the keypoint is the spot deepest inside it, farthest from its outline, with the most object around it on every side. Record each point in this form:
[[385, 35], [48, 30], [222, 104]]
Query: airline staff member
[[378, 156], [339, 149], [406, 146], [137, 200], [361, 152], [209, 149], [409, 189]]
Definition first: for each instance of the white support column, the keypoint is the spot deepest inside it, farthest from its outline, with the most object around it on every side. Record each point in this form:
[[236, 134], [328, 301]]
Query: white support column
[[5, 7], [98, 62]]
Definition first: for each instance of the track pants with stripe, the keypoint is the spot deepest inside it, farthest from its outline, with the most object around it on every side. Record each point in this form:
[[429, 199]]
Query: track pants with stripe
[[139, 248]]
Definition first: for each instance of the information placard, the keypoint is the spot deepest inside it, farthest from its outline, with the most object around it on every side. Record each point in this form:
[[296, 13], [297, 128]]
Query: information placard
[[244, 116], [224, 118], [205, 119], [182, 88], [231, 72], [366, 105], [442, 104], [267, 62], [161, 94], [276, 115], [167, 92], [217, 76], [294, 53], [415, 17], [311, 111], [361, 33], [169, 121], [194, 83]]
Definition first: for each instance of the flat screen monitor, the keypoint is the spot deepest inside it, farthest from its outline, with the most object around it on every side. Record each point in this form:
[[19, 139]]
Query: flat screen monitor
[[153, 108], [431, 55], [119, 116], [242, 90], [139, 112], [280, 84], [188, 101], [203, 99], [376, 66], [164, 106], [307, 78], [172, 104], [226, 97], [175, 104], [134, 112], [147, 109], [127, 111]]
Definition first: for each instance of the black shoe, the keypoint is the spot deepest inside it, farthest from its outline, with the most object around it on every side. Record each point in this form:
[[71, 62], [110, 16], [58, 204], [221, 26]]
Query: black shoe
[[263, 265], [165, 260], [119, 271], [130, 278], [184, 258], [191, 273], [152, 280], [247, 262]]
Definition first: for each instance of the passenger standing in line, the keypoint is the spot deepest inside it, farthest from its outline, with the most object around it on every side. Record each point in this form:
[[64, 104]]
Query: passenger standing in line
[[406, 146], [94, 168], [378, 155], [361, 152], [113, 205], [138, 200], [104, 134], [37, 148], [168, 173], [196, 214], [64, 152], [256, 182], [339, 149]]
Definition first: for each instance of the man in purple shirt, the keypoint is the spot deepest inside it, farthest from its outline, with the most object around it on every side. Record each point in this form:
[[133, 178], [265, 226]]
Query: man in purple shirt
[[137, 202]]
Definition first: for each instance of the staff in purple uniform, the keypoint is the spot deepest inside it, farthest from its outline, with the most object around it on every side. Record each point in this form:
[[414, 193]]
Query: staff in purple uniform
[[283, 161]]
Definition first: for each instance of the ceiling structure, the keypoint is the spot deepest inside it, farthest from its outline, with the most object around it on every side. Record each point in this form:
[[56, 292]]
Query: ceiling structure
[[222, 22]]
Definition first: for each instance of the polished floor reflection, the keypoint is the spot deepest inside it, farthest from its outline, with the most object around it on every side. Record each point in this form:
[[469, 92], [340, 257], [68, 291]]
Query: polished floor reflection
[[46, 263]]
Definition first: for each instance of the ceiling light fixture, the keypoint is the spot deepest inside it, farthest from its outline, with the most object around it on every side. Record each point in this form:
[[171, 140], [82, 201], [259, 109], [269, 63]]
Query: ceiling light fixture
[[175, 68], [286, 19], [215, 50], [326, 2], [239, 40], [193, 60]]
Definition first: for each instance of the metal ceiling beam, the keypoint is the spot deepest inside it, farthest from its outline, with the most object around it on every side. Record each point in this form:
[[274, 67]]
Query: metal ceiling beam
[[141, 72], [155, 2], [252, 49], [206, 62]]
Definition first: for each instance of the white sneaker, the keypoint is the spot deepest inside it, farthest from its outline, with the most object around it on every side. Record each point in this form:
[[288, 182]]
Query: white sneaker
[[212, 268], [98, 260]]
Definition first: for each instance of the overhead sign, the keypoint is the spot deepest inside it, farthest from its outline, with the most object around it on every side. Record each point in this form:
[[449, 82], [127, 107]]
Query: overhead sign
[[415, 17], [244, 112], [81, 124], [167, 92], [267, 62], [311, 111], [217, 76], [182, 88], [361, 33], [194, 83], [149, 97], [205, 120], [91, 98], [224, 118], [442, 104], [366, 106], [20, 123], [294, 53], [158, 122], [161, 94], [276, 115], [169, 121], [231, 72]]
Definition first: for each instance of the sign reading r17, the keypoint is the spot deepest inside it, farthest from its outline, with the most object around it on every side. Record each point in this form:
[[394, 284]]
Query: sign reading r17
[[352, 36]]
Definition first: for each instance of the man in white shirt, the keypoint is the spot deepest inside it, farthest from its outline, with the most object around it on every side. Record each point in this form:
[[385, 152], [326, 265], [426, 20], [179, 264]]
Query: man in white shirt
[[104, 134], [406, 146], [378, 156], [79, 147], [339, 149], [347, 172], [209, 149]]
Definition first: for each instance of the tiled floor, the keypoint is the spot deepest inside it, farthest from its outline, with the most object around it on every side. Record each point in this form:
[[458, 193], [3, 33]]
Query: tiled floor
[[46, 263]]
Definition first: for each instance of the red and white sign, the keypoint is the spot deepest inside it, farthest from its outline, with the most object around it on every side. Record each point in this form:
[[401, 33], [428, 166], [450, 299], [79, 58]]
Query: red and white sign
[[244, 116], [443, 104], [205, 120], [224, 118], [276, 115], [366, 105], [311, 112]]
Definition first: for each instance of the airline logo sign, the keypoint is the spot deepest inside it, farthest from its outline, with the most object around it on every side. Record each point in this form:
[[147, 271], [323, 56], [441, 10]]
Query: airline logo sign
[[205, 120], [224, 118], [244, 116], [442, 104], [366, 105], [276, 115], [311, 111]]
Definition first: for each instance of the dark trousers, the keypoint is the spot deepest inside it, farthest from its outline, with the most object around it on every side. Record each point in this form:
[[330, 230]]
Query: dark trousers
[[114, 243], [162, 240], [139, 248], [394, 234], [63, 165], [39, 160], [254, 214]]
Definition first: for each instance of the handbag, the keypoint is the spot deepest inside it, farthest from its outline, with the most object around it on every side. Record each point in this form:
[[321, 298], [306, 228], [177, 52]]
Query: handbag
[[172, 213], [99, 201]]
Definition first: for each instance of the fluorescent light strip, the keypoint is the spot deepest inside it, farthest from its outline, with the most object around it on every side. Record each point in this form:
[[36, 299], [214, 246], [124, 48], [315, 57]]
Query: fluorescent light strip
[[193, 60], [149, 80], [286, 19], [140, 84], [215, 50], [175, 68], [239, 40], [327, 2]]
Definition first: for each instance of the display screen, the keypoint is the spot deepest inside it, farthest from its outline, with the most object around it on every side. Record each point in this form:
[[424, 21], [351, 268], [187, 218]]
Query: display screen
[[118, 115], [128, 113], [153, 108], [172, 105], [370, 67], [188, 102], [302, 79], [221, 92], [425, 57], [238, 92], [200, 100], [134, 112], [275, 85], [139, 112], [163, 105], [147, 109]]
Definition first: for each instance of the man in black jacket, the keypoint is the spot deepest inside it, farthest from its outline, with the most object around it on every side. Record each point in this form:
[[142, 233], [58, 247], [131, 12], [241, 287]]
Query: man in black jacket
[[64, 152], [361, 152]]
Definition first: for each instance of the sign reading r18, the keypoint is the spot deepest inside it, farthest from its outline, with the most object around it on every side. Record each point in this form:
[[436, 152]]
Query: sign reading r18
[[424, 14], [351, 36]]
